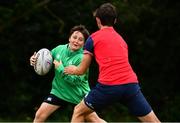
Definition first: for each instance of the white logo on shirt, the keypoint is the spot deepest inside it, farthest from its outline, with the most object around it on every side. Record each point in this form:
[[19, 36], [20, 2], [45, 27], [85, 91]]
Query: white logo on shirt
[[70, 62], [49, 99], [57, 56]]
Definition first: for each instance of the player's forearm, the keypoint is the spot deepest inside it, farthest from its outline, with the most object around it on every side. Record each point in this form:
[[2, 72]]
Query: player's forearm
[[75, 70], [79, 70], [85, 63]]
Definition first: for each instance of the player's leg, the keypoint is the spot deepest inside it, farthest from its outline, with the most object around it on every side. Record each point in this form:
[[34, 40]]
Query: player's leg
[[93, 117], [138, 105], [51, 103], [96, 100], [80, 112], [44, 112], [83, 113], [151, 117]]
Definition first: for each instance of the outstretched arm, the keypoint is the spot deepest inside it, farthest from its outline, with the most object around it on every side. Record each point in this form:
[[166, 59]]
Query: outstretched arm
[[82, 68], [70, 79]]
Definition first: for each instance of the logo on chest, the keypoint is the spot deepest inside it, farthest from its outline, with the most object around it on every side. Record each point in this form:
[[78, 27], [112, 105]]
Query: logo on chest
[[69, 62], [58, 57]]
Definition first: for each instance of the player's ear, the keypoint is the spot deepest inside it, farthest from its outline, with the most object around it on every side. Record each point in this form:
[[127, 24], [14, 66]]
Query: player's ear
[[115, 21], [70, 37], [98, 21]]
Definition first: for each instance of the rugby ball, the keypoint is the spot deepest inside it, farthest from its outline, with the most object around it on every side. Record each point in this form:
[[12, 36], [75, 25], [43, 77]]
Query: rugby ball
[[43, 62]]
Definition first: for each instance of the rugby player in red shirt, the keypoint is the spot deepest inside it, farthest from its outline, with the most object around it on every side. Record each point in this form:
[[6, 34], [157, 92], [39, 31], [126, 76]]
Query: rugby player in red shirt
[[117, 82]]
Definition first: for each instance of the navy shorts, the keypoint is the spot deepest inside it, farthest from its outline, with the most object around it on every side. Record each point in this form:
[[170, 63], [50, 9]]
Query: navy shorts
[[129, 95]]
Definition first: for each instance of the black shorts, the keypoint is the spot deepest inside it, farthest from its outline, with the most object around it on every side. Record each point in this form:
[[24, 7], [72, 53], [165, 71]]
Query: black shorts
[[128, 94], [54, 100]]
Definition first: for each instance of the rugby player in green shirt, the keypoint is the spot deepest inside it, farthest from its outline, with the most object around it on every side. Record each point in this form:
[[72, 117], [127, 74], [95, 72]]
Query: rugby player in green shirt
[[66, 88]]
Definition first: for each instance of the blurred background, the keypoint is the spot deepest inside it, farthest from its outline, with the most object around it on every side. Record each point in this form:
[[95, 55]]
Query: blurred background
[[150, 27]]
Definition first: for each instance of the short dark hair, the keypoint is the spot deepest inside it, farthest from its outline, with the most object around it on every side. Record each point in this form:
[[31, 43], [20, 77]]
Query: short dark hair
[[82, 29], [106, 13]]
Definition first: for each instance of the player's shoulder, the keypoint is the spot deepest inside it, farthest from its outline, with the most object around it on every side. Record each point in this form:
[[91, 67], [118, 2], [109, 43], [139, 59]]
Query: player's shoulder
[[60, 47], [79, 54], [96, 33], [100, 33]]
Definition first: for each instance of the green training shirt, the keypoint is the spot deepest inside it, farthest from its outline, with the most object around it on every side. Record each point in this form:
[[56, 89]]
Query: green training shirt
[[71, 88]]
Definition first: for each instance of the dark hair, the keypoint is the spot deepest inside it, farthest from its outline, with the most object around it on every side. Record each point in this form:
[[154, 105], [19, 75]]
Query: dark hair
[[106, 13], [82, 29]]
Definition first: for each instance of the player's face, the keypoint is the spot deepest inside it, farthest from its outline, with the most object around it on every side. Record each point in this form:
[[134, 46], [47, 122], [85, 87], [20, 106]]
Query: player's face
[[76, 41]]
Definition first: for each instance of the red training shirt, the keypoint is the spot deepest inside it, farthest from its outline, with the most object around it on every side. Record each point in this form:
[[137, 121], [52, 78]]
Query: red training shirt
[[111, 54]]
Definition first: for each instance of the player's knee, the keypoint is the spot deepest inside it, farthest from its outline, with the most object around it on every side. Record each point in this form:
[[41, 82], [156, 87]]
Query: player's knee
[[93, 117], [150, 117], [77, 110], [40, 116]]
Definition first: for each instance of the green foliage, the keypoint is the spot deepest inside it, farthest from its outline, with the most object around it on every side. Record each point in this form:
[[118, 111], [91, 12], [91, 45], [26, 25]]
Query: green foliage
[[150, 27]]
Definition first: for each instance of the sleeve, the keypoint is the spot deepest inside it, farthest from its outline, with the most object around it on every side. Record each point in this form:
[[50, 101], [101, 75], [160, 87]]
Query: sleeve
[[72, 79], [89, 46], [53, 52]]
